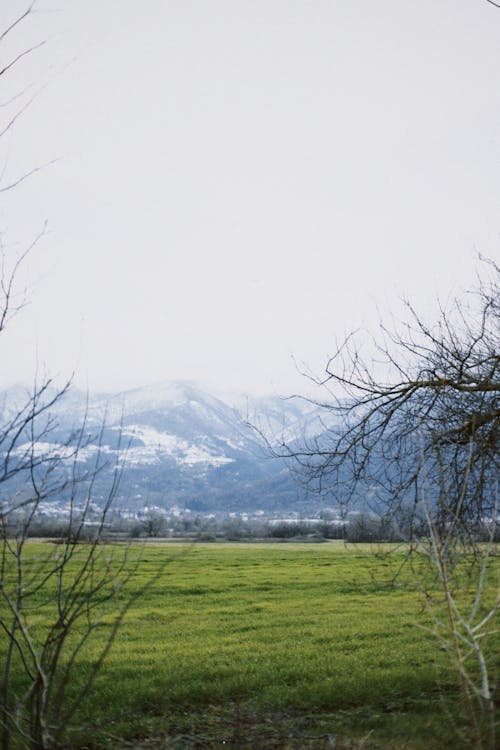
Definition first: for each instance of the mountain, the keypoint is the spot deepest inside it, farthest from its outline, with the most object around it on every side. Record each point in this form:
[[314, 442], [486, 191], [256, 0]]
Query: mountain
[[182, 446]]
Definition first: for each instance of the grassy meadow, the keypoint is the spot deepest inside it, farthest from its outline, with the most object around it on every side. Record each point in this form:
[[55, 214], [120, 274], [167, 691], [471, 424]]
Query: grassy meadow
[[269, 645]]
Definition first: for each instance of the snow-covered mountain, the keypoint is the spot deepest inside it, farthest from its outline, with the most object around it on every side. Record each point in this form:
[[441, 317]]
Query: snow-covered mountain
[[181, 445]]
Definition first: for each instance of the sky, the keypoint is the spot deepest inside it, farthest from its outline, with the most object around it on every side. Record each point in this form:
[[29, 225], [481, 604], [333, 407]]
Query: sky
[[240, 182]]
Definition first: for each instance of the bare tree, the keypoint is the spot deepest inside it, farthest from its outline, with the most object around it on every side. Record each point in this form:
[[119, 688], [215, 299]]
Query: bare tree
[[154, 523], [413, 431], [51, 603], [431, 390], [75, 583], [463, 605], [54, 604]]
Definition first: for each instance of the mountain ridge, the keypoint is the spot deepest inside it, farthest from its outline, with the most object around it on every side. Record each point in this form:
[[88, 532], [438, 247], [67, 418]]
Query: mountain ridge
[[184, 446]]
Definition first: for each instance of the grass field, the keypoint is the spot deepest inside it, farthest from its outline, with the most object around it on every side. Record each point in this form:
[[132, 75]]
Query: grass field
[[270, 645]]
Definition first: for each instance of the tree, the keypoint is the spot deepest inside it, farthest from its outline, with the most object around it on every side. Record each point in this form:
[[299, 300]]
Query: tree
[[414, 432], [51, 603], [154, 523], [75, 583], [422, 411]]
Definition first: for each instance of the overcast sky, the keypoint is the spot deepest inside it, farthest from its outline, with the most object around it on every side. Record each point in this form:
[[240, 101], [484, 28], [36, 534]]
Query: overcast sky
[[242, 181]]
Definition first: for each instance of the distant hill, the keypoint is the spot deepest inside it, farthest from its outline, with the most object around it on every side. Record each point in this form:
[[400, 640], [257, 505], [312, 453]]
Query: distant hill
[[183, 446]]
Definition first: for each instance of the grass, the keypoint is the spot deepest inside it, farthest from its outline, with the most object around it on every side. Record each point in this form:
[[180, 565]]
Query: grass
[[266, 646]]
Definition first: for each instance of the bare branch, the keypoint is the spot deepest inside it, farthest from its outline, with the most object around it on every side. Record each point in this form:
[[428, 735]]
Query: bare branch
[[28, 174], [17, 21]]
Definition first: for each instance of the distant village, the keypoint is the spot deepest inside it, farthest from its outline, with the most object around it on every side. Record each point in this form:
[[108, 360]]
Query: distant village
[[56, 519]]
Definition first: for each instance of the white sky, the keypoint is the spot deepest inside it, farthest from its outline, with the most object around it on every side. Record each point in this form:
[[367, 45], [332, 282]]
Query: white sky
[[244, 180]]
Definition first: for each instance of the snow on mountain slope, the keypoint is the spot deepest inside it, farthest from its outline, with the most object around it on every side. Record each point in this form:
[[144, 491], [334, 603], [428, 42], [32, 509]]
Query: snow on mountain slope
[[158, 445], [180, 443]]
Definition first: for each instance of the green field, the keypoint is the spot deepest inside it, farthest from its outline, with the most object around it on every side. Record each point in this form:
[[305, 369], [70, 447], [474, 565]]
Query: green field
[[269, 645]]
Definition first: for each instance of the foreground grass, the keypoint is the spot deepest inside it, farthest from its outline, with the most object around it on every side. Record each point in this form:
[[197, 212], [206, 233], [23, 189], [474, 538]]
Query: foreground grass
[[270, 646]]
